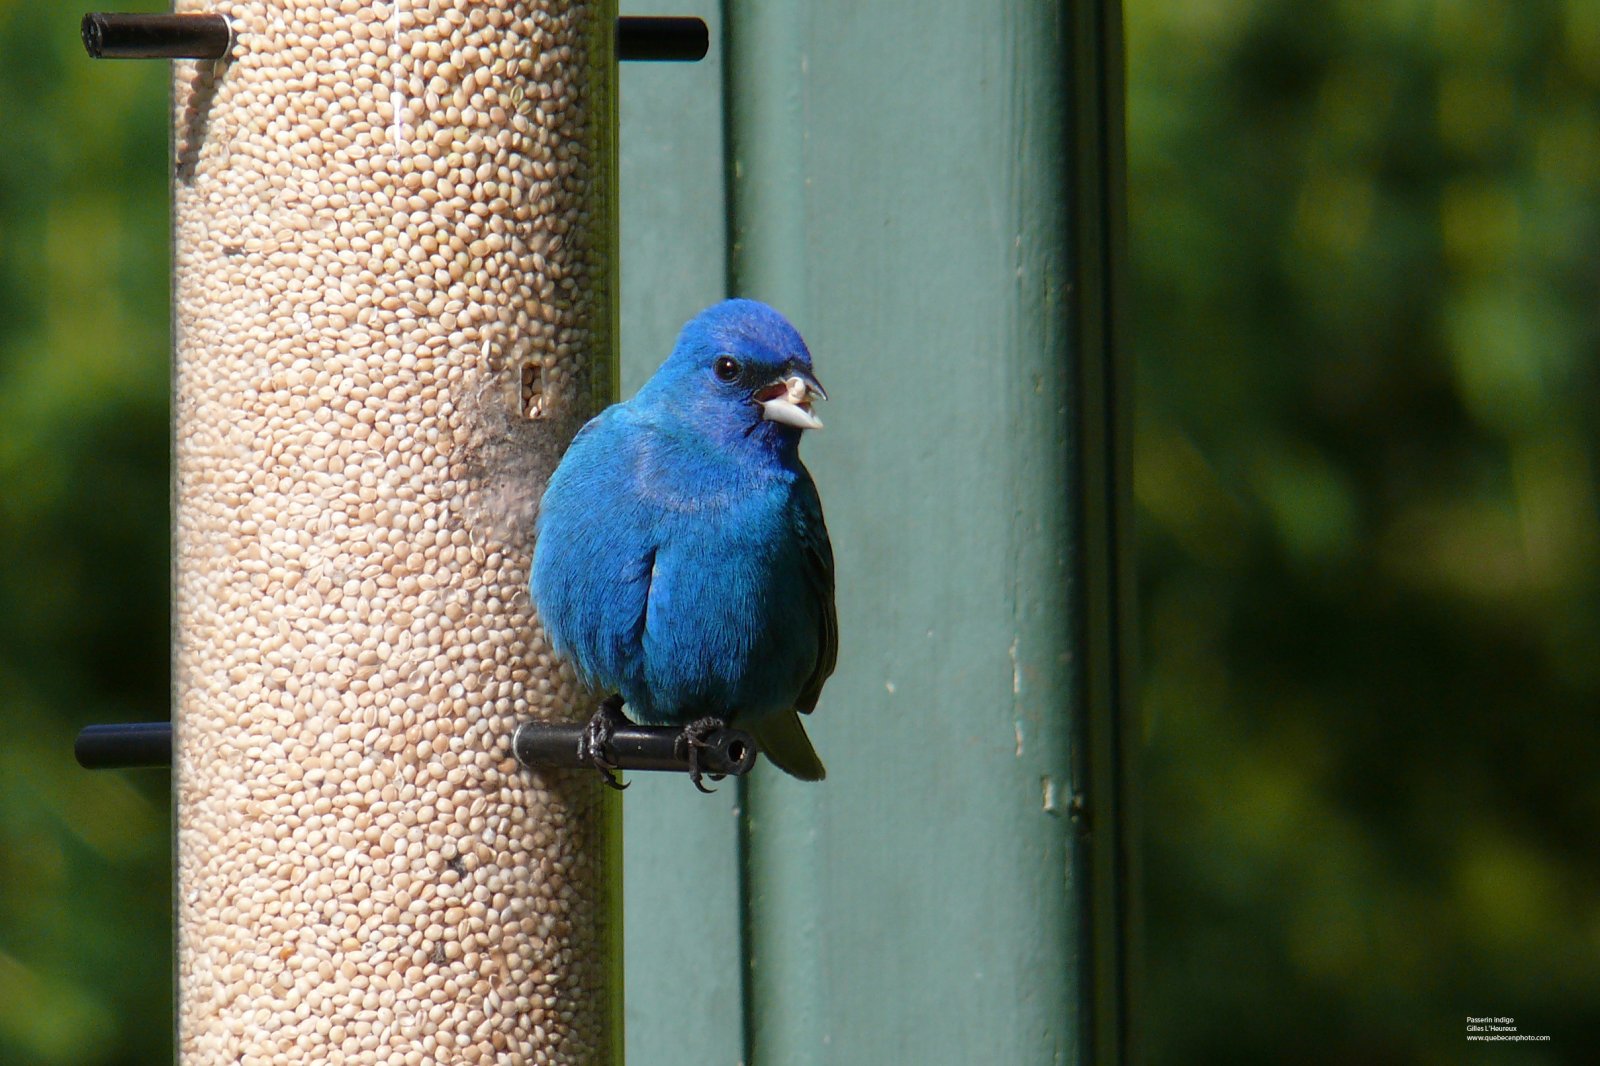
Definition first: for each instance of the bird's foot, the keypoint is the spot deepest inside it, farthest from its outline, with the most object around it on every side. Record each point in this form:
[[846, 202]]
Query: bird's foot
[[691, 742], [595, 744]]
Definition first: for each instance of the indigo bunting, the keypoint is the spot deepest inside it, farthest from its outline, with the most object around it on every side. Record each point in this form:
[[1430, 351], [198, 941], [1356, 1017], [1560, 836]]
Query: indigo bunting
[[681, 560]]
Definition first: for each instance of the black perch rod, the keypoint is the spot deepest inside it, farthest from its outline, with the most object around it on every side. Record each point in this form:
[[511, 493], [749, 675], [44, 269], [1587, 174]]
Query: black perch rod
[[662, 38], [124, 745], [727, 751], [188, 36]]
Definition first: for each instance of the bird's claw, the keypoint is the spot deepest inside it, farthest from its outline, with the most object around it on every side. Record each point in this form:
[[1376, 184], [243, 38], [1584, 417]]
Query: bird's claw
[[689, 744], [594, 746]]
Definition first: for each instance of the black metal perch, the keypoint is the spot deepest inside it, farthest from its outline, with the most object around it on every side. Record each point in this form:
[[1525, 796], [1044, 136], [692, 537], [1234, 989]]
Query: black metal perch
[[186, 36], [106, 35], [128, 745], [662, 38], [124, 745], [634, 747]]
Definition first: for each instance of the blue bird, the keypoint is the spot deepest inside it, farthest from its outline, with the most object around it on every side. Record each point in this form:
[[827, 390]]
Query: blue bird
[[681, 560]]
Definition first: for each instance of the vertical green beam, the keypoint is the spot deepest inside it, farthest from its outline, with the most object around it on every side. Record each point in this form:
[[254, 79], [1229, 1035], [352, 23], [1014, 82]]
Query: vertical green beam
[[782, 855], [1106, 740], [684, 956], [909, 182], [931, 192]]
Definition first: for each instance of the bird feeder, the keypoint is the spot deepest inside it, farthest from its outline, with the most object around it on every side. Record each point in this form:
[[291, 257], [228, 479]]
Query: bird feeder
[[393, 305]]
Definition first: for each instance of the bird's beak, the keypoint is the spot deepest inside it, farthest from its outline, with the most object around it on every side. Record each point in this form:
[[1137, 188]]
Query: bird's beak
[[788, 400]]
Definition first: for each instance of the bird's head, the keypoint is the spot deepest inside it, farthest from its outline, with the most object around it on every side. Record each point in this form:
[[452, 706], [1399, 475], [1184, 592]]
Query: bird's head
[[740, 369]]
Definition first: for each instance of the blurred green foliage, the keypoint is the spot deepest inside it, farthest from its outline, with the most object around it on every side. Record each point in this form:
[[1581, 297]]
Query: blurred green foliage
[[1366, 258], [1366, 255], [85, 881]]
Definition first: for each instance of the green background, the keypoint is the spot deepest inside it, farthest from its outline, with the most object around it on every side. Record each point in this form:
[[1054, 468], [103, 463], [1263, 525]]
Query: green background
[[1365, 254]]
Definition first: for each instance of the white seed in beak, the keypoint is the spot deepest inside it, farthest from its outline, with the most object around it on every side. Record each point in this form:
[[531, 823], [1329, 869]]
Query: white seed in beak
[[790, 406]]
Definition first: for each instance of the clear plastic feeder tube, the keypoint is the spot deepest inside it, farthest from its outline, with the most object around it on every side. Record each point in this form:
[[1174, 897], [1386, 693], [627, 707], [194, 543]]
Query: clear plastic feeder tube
[[393, 290]]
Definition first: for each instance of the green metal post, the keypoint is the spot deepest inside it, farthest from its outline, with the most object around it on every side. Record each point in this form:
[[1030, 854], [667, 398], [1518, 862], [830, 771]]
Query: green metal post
[[931, 192], [1103, 479], [684, 955], [782, 856]]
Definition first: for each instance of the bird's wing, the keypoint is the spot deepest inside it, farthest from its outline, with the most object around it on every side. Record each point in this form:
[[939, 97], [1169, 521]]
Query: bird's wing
[[593, 556], [817, 554]]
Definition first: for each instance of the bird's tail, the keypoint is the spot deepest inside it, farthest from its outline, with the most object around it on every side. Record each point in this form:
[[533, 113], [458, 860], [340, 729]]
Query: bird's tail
[[784, 741]]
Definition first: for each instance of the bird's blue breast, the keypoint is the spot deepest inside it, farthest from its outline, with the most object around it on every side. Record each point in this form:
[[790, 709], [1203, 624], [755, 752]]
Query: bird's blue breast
[[671, 571]]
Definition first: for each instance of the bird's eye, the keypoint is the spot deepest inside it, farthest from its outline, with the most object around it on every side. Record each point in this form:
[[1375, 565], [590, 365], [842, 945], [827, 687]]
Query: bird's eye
[[726, 367]]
